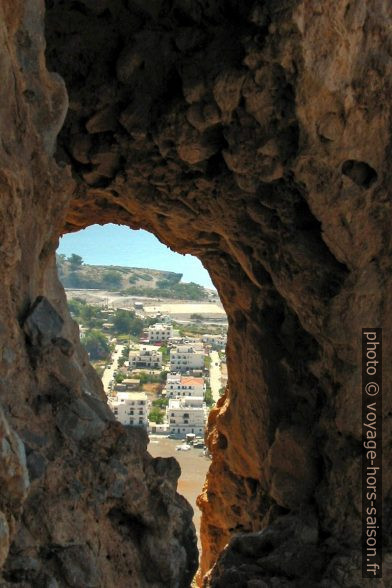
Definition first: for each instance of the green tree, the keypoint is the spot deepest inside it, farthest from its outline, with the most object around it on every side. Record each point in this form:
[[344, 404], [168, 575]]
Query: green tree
[[137, 327], [170, 279], [125, 321], [196, 317], [165, 353], [96, 344], [124, 356], [60, 259], [153, 379], [75, 261], [145, 277], [86, 314], [75, 306], [160, 402], [208, 397], [72, 280], [122, 321], [112, 279], [156, 415]]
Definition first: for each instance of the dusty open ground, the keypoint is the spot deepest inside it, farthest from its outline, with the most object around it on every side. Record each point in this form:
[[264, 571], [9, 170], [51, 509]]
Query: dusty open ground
[[194, 466], [187, 308], [177, 308]]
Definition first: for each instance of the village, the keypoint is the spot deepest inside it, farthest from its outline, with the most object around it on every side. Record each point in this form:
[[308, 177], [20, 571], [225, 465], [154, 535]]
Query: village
[[164, 380], [162, 362], [186, 377]]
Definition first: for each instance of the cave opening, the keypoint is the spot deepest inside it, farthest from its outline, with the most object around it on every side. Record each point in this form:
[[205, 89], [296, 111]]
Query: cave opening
[[132, 295], [148, 159]]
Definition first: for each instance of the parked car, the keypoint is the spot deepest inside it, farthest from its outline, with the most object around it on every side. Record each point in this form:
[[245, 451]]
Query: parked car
[[198, 445], [183, 447]]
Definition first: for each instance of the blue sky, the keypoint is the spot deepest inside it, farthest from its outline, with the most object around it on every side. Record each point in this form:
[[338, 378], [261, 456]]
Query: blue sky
[[119, 245]]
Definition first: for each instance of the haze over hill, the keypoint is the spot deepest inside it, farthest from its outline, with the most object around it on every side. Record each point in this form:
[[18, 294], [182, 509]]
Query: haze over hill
[[74, 273]]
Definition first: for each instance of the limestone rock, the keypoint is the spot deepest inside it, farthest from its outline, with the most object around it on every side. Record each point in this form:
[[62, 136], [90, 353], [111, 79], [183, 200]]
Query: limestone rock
[[255, 136], [4, 538], [43, 323], [14, 483], [78, 567], [291, 469]]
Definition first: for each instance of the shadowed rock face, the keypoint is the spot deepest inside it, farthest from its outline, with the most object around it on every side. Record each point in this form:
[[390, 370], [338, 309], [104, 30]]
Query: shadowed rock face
[[82, 503], [255, 136]]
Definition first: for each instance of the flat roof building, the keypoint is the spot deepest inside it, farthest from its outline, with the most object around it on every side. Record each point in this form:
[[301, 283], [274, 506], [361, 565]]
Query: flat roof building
[[146, 357], [178, 385], [130, 408], [186, 357], [184, 418], [160, 332]]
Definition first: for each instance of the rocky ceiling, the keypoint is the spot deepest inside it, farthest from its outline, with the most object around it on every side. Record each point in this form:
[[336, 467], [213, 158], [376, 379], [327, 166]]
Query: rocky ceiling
[[255, 135]]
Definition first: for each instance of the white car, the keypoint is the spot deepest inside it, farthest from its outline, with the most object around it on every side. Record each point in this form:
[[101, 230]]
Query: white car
[[183, 447]]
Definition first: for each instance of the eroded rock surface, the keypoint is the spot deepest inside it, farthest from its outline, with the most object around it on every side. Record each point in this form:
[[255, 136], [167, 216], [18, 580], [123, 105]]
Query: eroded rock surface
[[256, 136], [82, 504]]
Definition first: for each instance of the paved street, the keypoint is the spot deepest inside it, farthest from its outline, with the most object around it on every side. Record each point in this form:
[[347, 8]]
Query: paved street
[[108, 373], [215, 375]]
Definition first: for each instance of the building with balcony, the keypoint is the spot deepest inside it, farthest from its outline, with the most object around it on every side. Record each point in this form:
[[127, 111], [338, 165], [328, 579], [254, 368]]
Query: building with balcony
[[130, 408], [178, 386], [146, 357], [160, 332], [216, 341], [177, 340], [186, 415], [184, 358]]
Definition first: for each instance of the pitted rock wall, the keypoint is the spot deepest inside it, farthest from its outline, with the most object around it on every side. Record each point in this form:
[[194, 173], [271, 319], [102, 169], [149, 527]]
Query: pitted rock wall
[[82, 504], [256, 136]]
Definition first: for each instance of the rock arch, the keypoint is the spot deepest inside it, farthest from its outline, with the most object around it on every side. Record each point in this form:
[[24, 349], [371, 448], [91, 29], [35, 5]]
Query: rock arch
[[255, 137]]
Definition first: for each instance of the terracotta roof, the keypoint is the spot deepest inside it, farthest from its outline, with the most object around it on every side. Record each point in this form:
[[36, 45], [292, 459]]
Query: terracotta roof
[[191, 381]]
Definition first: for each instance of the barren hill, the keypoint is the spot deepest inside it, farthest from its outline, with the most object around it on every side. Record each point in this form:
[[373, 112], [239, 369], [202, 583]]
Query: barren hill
[[137, 281]]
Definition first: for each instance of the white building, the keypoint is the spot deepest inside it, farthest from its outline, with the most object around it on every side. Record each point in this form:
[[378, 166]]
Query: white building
[[186, 415], [186, 357], [145, 357], [180, 386], [218, 341], [160, 332], [163, 318], [130, 408], [177, 340]]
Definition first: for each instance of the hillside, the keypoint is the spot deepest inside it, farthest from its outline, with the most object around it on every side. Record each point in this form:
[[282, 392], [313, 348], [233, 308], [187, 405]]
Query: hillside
[[74, 273]]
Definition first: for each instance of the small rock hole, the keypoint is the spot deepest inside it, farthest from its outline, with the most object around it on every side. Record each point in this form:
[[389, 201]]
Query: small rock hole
[[359, 172]]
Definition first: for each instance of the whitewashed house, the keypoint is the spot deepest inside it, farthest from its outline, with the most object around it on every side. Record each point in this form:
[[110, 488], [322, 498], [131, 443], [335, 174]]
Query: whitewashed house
[[180, 386], [145, 357], [177, 340], [130, 408], [217, 341], [160, 332], [186, 357], [186, 415]]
